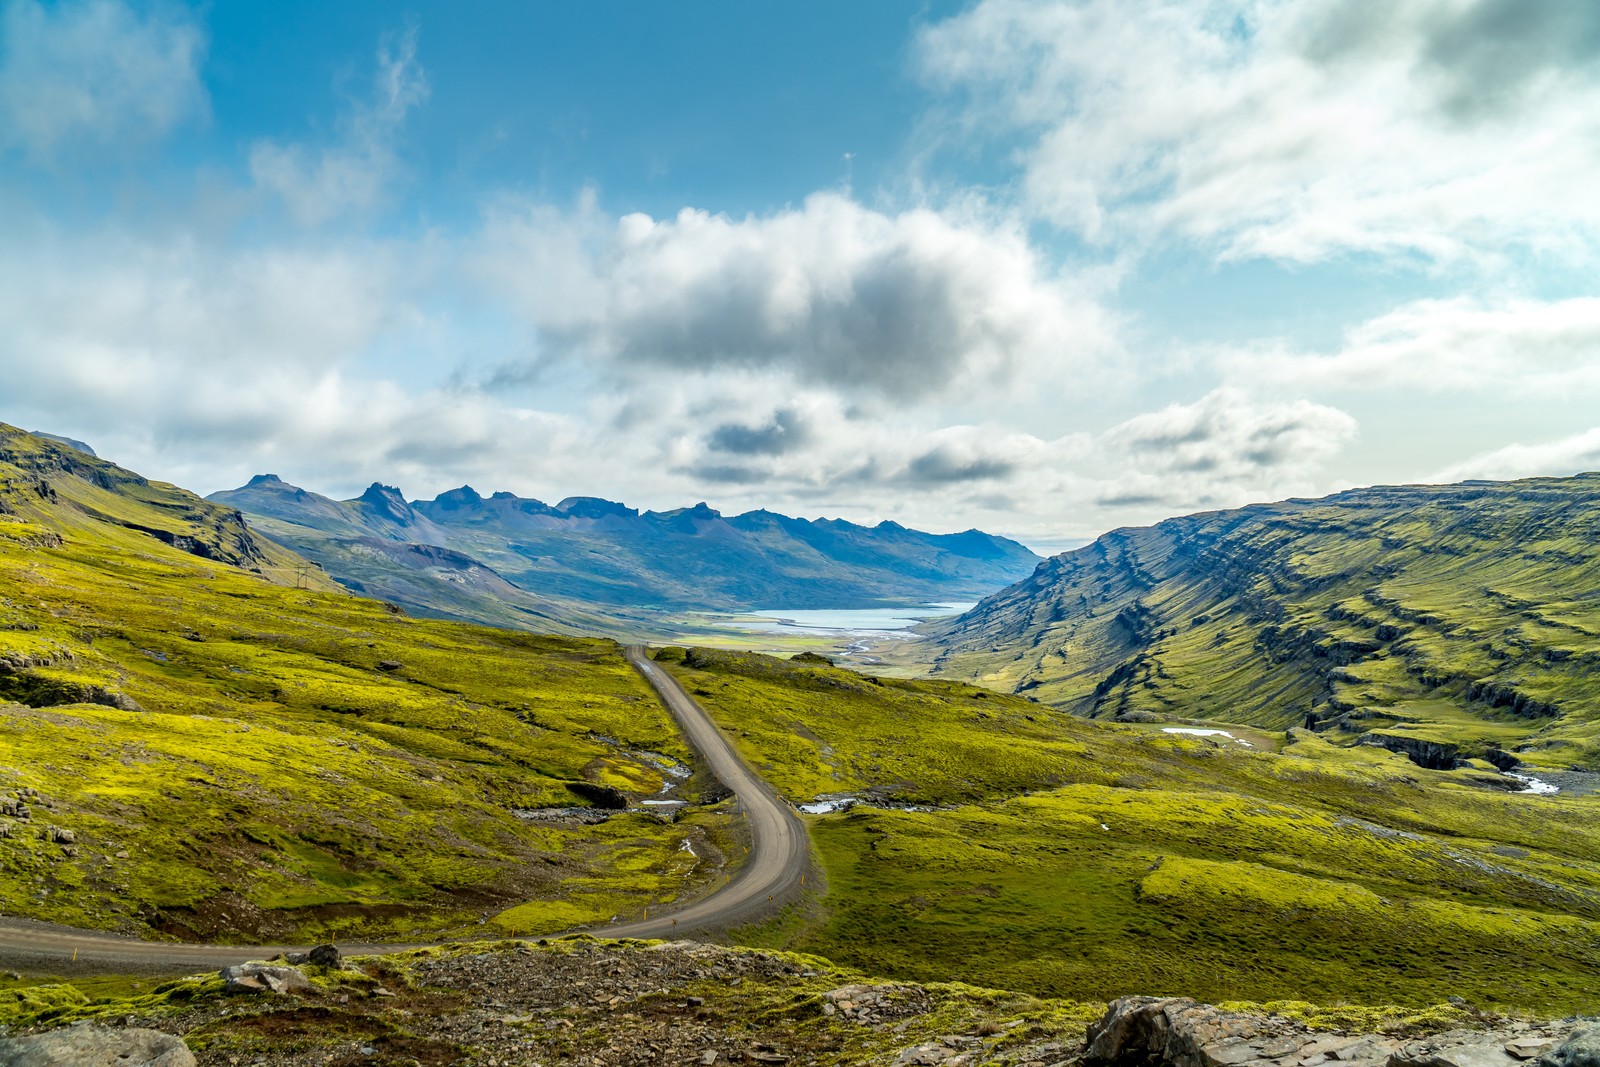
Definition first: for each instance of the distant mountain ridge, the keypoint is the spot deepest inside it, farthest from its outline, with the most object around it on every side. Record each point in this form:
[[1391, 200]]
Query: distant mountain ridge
[[600, 553]]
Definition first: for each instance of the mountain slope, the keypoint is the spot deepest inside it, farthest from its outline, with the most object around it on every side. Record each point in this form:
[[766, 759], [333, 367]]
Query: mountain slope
[[236, 749], [597, 552], [1446, 621]]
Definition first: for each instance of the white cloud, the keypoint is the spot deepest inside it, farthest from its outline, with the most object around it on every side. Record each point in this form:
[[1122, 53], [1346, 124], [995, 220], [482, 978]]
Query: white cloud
[[1568, 455], [178, 302], [1519, 346], [1292, 129], [94, 74], [902, 305], [319, 184], [1220, 451]]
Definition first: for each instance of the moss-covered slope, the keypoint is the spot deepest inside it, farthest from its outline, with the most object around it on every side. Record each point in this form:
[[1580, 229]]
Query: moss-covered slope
[[1006, 843], [1466, 616], [238, 752]]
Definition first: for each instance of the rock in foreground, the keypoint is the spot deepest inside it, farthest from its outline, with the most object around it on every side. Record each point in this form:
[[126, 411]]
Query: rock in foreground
[[95, 1046], [1177, 1032]]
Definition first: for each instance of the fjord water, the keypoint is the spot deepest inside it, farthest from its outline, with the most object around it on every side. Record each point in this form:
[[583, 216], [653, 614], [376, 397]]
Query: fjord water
[[842, 621]]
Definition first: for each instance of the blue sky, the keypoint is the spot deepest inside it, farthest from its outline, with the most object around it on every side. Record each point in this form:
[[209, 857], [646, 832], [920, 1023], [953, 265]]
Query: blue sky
[[1041, 267]]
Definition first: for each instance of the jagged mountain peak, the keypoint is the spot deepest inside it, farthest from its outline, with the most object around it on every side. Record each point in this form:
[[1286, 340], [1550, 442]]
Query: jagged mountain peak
[[377, 493]]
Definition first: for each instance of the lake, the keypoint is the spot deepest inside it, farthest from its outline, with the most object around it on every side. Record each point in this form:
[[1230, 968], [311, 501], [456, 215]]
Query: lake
[[841, 621]]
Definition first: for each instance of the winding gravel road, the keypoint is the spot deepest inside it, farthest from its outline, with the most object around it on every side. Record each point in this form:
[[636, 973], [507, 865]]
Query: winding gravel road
[[772, 875]]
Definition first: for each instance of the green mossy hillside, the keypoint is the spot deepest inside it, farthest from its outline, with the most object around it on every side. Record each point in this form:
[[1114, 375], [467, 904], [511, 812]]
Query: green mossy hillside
[[1088, 860], [1452, 621], [813, 729], [236, 756]]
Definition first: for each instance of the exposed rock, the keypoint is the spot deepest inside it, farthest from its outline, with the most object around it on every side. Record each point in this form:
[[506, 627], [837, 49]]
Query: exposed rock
[[325, 956], [1457, 1048], [389, 665], [87, 1045], [1433, 755], [1173, 1032], [263, 978], [1581, 1049], [1526, 1048], [601, 796], [61, 836]]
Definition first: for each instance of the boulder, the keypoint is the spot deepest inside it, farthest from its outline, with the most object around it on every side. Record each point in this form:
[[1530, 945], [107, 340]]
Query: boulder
[[1457, 1048], [1176, 1032], [61, 836], [87, 1045], [263, 978], [325, 956], [1580, 1049]]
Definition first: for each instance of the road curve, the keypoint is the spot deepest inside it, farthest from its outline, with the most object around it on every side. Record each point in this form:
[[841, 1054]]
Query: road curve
[[773, 874], [780, 852]]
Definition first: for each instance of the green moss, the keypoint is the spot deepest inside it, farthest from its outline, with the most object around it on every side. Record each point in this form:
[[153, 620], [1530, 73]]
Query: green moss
[[60, 1004], [1084, 860]]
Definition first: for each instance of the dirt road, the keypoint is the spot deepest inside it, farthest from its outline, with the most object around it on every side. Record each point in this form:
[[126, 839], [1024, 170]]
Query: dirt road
[[780, 856]]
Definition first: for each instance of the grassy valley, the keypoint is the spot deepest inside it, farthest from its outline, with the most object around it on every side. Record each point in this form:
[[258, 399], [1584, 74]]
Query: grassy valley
[[1450, 622], [235, 749], [1009, 844]]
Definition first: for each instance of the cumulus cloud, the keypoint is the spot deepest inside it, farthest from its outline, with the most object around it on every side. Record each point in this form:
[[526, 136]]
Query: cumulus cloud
[[785, 431], [1223, 449], [95, 74], [1521, 346], [1567, 455], [902, 305], [318, 184], [1293, 130]]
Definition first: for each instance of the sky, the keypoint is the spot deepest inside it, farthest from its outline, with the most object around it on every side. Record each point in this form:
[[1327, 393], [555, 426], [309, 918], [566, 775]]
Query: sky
[[1040, 268]]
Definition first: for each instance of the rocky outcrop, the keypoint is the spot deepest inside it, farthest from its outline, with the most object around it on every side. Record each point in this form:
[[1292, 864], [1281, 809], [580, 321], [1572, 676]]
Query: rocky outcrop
[[601, 796], [87, 1045], [1178, 1032], [263, 978], [1434, 755]]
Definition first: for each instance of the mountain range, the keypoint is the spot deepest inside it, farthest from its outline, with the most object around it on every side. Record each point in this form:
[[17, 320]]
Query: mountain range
[[585, 562]]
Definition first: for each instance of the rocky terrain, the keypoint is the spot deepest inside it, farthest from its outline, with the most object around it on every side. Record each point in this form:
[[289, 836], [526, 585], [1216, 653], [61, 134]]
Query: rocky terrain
[[597, 1003]]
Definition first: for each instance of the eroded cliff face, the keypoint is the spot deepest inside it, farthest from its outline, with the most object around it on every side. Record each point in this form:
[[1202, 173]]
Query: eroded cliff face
[[1384, 607]]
